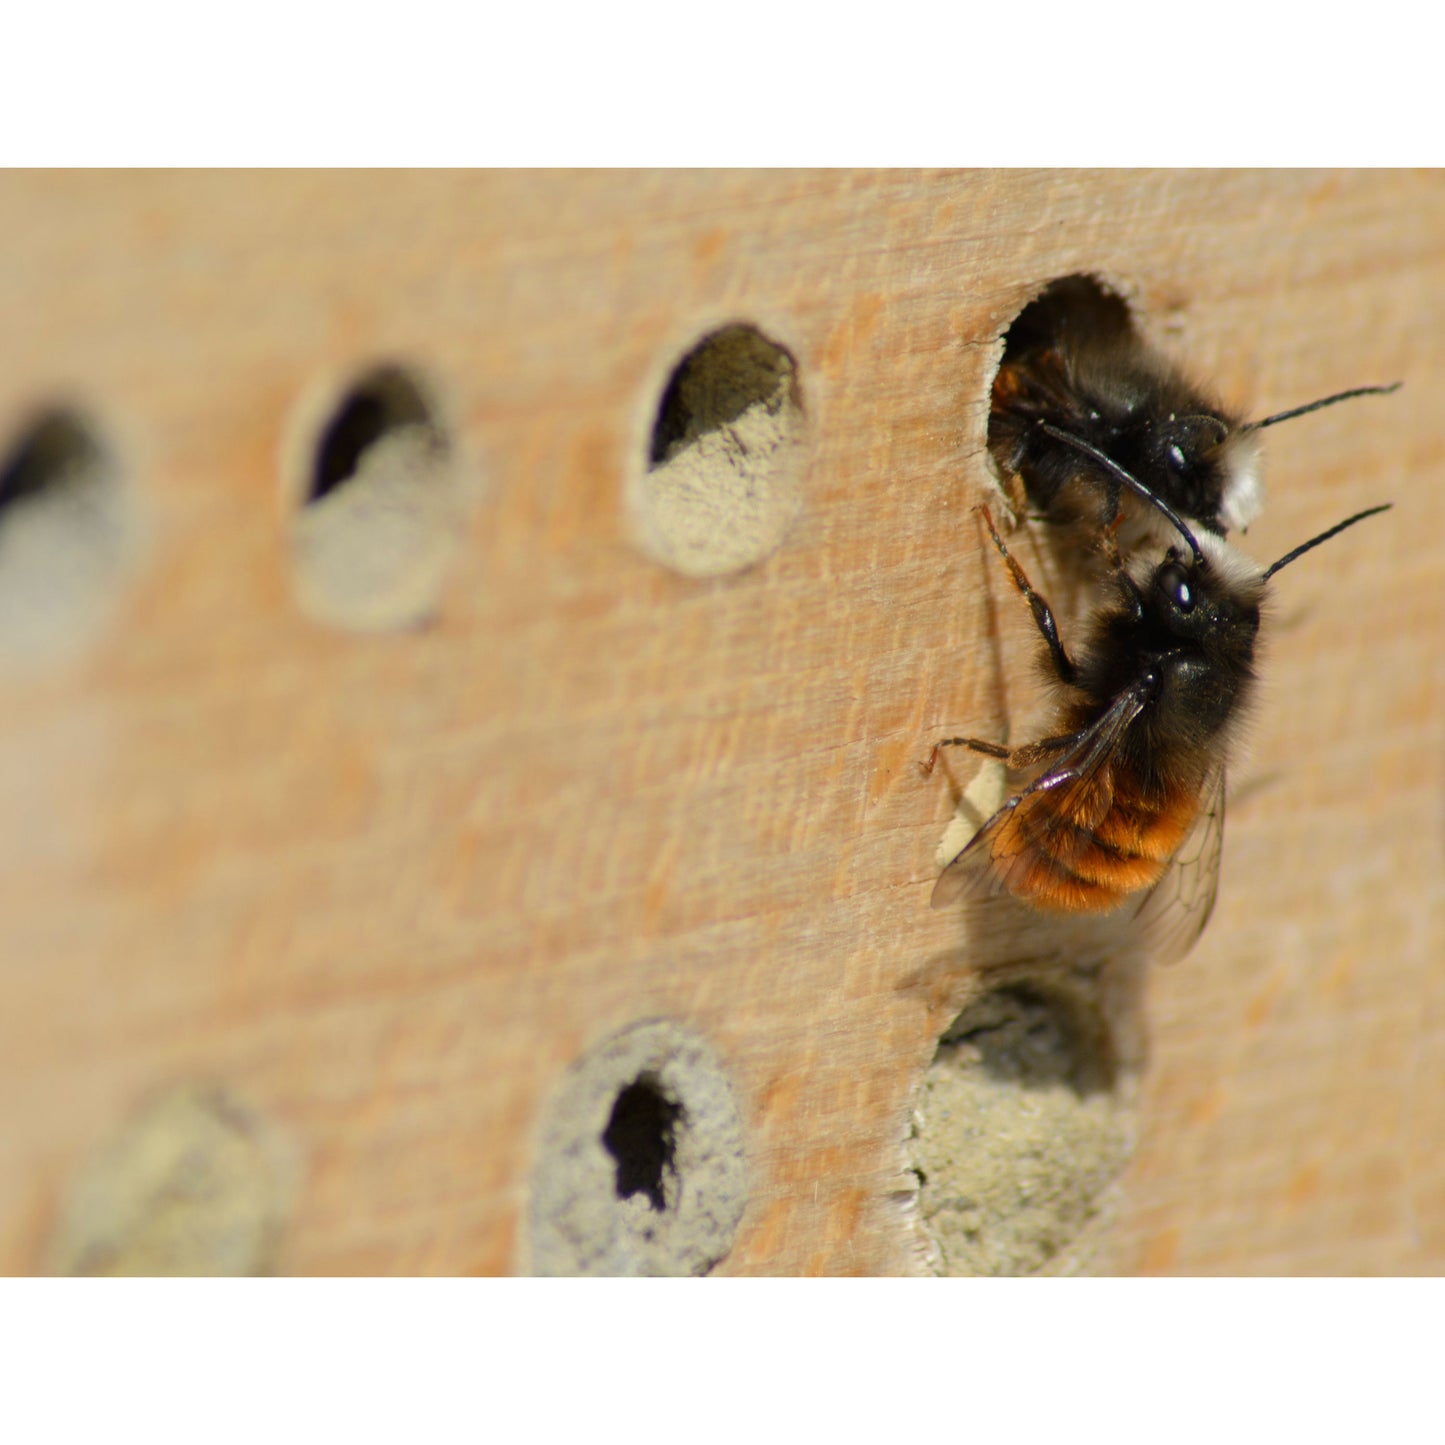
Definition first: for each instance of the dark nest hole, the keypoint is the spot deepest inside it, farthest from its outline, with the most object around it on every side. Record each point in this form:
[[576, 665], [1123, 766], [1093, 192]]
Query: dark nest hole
[[641, 1137], [55, 451], [727, 372], [382, 402]]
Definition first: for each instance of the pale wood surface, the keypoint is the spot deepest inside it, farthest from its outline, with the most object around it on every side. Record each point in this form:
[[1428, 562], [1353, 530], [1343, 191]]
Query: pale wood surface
[[389, 886]]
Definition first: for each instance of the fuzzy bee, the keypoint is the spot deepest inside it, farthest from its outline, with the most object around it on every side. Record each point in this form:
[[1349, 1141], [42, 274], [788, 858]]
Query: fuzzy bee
[[1080, 399], [1131, 781]]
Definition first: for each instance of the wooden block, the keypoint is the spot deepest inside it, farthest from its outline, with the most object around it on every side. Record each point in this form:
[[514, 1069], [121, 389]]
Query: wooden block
[[625, 734]]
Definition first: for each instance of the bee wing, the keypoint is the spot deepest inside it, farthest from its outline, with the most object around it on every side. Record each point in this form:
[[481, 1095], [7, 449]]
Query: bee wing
[[1176, 908], [1074, 792]]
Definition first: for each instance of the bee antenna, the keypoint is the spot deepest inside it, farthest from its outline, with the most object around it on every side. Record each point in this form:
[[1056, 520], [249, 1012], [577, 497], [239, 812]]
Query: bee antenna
[[1323, 401], [1129, 480], [1323, 537]]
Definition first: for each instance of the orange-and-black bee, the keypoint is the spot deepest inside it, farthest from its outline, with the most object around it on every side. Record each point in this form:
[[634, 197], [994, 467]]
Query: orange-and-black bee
[[1132, 780], [1079, 389]]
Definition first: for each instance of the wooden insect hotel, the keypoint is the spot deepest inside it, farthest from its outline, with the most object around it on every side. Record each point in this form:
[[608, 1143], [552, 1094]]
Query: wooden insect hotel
[[467, 647]]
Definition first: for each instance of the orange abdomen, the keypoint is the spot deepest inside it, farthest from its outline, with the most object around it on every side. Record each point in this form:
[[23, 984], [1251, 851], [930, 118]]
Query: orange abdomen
[[1091, 859]]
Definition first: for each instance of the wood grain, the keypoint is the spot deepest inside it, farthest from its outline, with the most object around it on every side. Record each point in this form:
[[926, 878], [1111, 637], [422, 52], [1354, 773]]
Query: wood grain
[[388, 887]]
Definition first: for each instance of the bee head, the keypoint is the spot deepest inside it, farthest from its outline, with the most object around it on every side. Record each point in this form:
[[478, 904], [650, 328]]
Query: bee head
[[1208, 469], [1182, 447], [1195, 598]]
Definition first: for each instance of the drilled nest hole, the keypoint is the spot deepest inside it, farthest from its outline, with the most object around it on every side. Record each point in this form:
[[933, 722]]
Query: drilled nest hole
[[65, 536], [640, 1166], [381, 508], [1018, 1130], [722, 483]]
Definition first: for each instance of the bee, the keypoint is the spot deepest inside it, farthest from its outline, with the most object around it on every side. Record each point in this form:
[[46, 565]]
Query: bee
[[1132, 781], [1079, 389]]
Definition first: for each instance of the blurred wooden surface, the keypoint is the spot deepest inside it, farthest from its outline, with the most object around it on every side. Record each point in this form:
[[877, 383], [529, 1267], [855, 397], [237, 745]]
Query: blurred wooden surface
[[388, 886]]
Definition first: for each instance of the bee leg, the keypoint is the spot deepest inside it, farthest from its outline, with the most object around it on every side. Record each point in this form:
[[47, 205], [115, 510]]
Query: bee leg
[[1109, 516], [1115, 522], [1043, 617], [1109, 545], [1027, 754], [993, 750], [1023, 756]]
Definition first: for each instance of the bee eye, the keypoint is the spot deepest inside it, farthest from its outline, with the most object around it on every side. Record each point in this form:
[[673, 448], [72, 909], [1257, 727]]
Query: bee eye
[[1175, 459], [1173, 581]]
